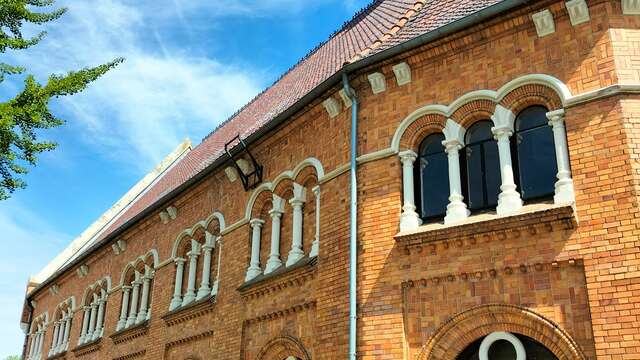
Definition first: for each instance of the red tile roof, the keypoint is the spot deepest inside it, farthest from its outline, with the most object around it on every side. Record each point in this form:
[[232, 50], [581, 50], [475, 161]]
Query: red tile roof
[[381, 25]]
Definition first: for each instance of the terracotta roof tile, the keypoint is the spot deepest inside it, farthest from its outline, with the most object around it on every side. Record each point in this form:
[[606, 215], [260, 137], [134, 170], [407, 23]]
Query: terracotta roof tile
[[368, 26]]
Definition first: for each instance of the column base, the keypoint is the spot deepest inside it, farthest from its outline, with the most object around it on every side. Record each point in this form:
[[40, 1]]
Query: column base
[[214, 288], [456, 211], [294, 256], [81, 340], [252, 273], [564, 193], [121, 324], [202, 292], [188, 298], [508, 202], [273, 263], [130, 321], [409, 220], [142, 316], [315, 248], [175, 303]]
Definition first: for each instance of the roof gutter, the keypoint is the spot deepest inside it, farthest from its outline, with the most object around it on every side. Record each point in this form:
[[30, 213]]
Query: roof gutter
[[319, 90]]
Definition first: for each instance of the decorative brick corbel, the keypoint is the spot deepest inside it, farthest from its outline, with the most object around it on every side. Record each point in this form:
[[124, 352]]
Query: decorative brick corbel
[[544, 23], [378, 82], [631, 7], [402, 72], [332, 106], [578, 11]]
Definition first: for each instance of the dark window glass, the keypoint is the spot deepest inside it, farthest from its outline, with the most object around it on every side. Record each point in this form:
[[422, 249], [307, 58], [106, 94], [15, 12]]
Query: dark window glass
[[535, 154], [482, 166], [433, 177]]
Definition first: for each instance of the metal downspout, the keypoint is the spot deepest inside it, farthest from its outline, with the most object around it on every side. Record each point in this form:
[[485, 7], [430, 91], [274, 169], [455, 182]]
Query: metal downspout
[[353, 220]]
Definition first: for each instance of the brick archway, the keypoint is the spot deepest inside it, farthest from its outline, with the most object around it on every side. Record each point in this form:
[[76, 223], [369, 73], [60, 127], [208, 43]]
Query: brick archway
[[283, 347], [462, 329]]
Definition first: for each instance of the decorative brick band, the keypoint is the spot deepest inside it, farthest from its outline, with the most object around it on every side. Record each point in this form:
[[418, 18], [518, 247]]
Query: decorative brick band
[[297, 275], [130, 333], [134, 355], [188, 339], [464, 328], [282, 313], [282, 348], [88, 348], [548, 220], [488, 273], [191, 311]]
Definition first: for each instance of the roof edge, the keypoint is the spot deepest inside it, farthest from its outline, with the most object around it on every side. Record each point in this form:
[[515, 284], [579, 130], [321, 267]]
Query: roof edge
[[465, 22]]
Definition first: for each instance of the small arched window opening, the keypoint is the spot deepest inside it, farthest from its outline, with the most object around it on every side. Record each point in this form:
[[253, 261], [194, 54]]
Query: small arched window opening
[[432, 177], [481, 166], [534, 154]]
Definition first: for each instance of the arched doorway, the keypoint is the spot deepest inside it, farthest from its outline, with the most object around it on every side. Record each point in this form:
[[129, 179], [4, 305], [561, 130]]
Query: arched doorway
[[502, 345], [458, 337]]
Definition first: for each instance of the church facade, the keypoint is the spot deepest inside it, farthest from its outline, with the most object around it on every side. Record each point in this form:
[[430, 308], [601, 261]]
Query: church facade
[[498, 184]]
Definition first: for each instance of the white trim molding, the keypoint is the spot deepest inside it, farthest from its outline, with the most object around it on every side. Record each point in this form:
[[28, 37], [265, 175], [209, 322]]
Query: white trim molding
[[486, 343]]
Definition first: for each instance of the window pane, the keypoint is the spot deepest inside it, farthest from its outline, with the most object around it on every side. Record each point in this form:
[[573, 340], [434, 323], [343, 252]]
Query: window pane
[[532, 117], [480, 131], [475, 187], [432, 144], [435, 185], [537, 162], [492, 172]]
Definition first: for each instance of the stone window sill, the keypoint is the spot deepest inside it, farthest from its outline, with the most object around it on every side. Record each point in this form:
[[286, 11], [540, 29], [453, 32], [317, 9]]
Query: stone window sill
[[88, 347], [187, 312], [294, 275], [532, 218], [60, 355], [130, 333]]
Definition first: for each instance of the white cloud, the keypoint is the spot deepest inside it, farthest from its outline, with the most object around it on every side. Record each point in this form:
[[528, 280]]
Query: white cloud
[[30, 240], [141, 110]]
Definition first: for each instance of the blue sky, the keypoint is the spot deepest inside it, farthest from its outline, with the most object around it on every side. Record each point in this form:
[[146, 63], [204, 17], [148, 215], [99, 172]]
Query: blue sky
[[189, 65]]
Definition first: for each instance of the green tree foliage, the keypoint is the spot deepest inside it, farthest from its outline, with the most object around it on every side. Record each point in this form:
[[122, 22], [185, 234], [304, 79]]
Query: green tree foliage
[[28, 112], [13, 357]]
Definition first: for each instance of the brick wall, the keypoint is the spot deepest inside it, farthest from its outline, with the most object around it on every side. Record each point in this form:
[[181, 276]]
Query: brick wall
[[583, 276]]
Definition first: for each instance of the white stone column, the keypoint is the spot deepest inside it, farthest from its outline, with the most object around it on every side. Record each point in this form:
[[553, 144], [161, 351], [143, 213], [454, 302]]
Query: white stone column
[[123, 310], [54, 341], [315, 246], [146, 283], [32, 345], [456, 209], [254, 266], [85, 324], [92, 318], [133, 308], [564, 192], [190, 294], [297, 202], [176, 301], [39, 343], [205, 282], [99, 329], [216, 283], [409, 219], [67, 328], [509, 200], [276, 212]]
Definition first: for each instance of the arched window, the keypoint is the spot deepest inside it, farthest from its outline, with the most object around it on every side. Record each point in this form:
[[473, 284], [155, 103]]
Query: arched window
[[482, 167], [535, 154], [433, 177]]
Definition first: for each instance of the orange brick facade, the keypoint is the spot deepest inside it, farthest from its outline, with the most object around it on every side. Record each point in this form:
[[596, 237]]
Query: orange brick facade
[[568, 277]]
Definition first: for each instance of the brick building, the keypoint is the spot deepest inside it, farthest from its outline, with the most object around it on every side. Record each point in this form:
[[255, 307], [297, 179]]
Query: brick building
[[497, 194]]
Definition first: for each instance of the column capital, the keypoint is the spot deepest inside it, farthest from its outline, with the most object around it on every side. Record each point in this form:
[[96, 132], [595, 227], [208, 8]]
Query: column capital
[[556, 117], [256, 223], [408, 156], [316, 190], [450, 145], [502, 132], [299, 193], [179, 260], [126, 288]]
